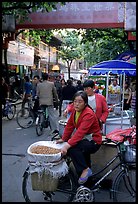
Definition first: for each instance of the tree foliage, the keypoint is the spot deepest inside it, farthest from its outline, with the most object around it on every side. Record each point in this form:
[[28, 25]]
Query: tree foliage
[[105, 44], [70, 48], [21, 10]]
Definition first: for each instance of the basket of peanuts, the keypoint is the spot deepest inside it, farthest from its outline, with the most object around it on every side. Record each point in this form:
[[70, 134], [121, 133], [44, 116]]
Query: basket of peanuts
[[46, 165]]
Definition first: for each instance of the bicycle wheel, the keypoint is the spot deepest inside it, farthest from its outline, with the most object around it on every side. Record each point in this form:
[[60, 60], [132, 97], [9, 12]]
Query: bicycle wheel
[[39, 124], [124, 186], [11, 112], [25, 118], [64, 193]]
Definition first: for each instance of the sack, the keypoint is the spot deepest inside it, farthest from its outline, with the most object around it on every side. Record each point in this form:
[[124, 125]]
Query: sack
[[46, 169]]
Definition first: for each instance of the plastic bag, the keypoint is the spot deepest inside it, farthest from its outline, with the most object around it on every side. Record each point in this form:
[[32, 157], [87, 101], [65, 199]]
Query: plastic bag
[[116, 134]]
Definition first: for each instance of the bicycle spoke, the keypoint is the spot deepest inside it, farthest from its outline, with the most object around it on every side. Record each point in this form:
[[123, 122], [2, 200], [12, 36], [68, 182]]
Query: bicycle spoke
[[25, 118], [124, 189], [11, 112]]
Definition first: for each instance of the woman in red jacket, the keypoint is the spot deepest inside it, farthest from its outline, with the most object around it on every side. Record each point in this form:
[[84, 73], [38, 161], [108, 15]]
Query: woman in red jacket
[[82, 136]]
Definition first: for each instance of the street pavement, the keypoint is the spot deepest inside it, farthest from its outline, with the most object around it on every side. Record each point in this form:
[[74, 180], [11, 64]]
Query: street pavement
[[15, 142]]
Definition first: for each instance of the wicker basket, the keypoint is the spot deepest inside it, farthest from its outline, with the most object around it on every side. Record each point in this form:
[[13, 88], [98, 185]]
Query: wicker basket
[[44, 182]]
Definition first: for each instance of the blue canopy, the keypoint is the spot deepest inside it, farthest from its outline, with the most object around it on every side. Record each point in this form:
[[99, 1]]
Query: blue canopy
[[113, 66]]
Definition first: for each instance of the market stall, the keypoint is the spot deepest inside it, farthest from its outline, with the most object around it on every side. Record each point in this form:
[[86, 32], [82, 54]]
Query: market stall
[[119, 67]]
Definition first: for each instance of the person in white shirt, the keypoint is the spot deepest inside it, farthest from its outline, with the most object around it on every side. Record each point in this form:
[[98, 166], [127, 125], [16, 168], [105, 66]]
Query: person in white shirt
[[114, 95]]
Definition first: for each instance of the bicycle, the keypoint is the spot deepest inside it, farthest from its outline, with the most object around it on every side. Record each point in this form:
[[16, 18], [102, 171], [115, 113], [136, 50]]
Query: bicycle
[[9, 110], [25, 116], [123, 187], [42, 121], [16, 97]]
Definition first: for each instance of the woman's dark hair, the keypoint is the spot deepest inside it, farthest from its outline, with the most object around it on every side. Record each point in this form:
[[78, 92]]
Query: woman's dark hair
[[27, 79], [79, 82], [83, 94], [88, 83], [69, 82]]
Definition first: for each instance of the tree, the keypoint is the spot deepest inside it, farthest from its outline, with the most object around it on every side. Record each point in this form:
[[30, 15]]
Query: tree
[[105, 44], [21, 11], [71, 48]]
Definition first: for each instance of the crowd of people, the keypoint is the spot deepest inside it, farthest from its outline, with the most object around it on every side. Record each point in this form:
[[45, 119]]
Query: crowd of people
[[86, 110]]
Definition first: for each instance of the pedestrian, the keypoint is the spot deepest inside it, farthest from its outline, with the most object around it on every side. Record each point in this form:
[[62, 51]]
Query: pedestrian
[[4, 91], [63, 83], [127, 96], [46, 92], [79, 86], [133, 101], [96, 101], [58, 86], [68, 92], [36, 81], [82, 136], [27, 91], [17, 84], [114, 96]]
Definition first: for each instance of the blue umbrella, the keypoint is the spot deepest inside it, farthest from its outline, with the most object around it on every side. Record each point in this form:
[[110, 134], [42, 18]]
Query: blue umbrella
[[114, 66]]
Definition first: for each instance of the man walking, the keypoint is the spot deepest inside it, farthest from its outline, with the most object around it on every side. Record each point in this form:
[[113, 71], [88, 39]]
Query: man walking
[[46, 91]]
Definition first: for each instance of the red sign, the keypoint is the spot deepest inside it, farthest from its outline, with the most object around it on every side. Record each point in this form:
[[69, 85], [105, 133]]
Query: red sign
[[78, 15]]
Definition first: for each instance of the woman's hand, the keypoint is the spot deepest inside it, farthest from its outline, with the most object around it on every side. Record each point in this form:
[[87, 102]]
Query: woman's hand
[[59, 141], [65, 112], [65, 148]]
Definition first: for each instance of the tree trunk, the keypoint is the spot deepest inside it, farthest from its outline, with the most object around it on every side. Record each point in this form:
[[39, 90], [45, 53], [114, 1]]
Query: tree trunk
[[68, 72]]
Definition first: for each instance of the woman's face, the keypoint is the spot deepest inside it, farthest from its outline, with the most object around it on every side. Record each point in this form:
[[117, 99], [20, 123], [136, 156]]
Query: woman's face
[[79, 103]]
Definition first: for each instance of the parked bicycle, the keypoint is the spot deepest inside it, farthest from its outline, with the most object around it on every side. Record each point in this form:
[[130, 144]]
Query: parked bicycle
[[42, 121], [123, 187], [16, 97], [25, 116], [9, 110]]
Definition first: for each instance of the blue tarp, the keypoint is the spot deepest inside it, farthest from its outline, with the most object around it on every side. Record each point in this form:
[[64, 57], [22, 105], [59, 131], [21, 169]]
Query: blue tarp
[[114, 67]]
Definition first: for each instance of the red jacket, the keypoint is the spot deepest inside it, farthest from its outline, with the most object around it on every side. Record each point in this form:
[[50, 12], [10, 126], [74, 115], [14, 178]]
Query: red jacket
[[101, 107], [87, 124]]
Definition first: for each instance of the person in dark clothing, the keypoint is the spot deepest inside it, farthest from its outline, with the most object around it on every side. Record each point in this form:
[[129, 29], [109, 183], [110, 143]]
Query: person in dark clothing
[[68, 92], [36, 81], [63, 83], [4, 91], [27, 90], [57, 84], [79, 86]]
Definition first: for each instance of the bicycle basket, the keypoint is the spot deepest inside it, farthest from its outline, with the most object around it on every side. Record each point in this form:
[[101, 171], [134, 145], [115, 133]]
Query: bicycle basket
[[130, 154]]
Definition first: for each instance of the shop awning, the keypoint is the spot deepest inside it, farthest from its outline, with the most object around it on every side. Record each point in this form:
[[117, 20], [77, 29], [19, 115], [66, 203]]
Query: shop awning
[[55, 68]]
